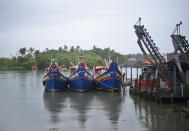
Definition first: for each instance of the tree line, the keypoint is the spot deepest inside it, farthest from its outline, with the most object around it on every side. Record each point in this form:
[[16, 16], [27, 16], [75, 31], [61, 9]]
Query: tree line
[[25, 58]]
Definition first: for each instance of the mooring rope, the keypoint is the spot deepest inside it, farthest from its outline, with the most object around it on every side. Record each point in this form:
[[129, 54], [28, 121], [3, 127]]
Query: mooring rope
[[105, 84]]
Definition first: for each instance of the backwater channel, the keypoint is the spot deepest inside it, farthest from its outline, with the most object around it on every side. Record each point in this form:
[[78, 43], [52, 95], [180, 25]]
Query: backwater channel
[[25, 106]]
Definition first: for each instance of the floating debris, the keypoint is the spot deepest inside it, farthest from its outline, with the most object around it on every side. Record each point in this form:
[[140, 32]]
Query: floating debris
[[53, 129]]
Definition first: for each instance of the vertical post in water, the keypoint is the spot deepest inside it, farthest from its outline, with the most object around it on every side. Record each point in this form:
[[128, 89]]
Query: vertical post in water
[[137, 73], [158, 83], [126, 74], [140, 82], [157, 87], [131, 74], [146, 82], [174, 79], [153, 81]]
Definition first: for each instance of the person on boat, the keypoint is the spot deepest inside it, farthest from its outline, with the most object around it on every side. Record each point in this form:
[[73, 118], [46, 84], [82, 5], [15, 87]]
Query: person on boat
[[46, 71], [98, 73]]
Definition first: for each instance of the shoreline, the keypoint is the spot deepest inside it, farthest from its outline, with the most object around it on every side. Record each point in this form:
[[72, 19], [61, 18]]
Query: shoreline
[[15, 68]]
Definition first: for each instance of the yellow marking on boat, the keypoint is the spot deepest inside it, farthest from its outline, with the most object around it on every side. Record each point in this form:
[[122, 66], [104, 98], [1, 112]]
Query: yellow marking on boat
[[102, 77], [119, 76]]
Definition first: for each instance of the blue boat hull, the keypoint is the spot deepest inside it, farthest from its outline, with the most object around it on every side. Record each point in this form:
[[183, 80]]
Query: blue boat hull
[[55, 85], [81, 80], [111, 84], [81, 85], [111, 79]]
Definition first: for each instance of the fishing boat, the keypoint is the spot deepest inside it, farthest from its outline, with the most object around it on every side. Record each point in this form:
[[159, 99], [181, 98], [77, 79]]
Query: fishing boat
[[54, 80], [111, 79], [80, 79]]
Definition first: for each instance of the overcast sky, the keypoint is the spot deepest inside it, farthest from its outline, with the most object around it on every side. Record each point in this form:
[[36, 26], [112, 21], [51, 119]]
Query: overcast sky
[[104, 23]]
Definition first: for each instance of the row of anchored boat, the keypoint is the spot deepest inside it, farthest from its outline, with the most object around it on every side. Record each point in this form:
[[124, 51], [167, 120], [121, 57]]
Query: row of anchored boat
[[104, 78]]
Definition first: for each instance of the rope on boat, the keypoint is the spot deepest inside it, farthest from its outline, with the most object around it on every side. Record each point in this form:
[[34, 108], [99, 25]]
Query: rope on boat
[[105, 84]]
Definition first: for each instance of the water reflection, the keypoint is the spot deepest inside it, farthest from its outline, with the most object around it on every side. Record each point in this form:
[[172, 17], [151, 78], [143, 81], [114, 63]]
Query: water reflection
[[22, 96], [81, 102], [160, 117], [111, 103], [54, 103]]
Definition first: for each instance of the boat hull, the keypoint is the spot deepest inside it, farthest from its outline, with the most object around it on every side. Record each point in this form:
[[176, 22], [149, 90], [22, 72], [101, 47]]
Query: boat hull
[[81, 85], [55, 85], [110, 84], [111, 79], [81, 80]]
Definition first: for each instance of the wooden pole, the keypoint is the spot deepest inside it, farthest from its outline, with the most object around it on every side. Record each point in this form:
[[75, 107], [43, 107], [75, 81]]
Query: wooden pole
[[158, 82], [153, 80], [131, 73], [137, 73], [146, 82], [157, 98], [126, 74], [140, 81], [174, 78]]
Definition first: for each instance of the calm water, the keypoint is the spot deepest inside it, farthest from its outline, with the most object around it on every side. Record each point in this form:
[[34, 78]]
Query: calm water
[[24, 106]]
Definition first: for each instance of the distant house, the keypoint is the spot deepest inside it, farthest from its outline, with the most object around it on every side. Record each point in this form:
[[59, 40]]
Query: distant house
[[132, 59]]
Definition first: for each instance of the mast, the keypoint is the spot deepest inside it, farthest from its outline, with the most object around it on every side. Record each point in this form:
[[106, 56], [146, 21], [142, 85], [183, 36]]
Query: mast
[[109, 56]]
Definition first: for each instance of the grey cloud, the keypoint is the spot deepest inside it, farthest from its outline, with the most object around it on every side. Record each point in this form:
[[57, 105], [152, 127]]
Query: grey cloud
[[96, 22]]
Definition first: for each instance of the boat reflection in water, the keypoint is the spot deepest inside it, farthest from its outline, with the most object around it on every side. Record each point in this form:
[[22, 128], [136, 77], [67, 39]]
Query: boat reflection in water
[[160, 117], [81, 103], [54, 103], [81, 108], [112, 105]]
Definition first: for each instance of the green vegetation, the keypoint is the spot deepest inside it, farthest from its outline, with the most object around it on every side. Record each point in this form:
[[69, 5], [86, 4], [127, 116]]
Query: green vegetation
[[28, 57], [142, 117], [53, 129]]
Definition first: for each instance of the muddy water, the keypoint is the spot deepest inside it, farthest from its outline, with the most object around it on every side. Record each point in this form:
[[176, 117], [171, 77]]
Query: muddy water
[[25, 106]]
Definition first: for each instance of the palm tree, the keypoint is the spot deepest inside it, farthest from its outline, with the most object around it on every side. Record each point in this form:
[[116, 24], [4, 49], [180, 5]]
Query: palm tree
[[65, 48], [37, 53], [60, 48], [22, 51], [72, 49], [77, 48], [94, 46], [31, 50]]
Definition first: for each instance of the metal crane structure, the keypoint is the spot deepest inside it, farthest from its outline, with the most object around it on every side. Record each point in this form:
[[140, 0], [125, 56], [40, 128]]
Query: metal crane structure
[[148, 46], [180, 44]]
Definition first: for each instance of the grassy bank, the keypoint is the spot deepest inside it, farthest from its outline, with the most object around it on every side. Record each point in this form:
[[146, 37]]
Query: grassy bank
[[12, 68]]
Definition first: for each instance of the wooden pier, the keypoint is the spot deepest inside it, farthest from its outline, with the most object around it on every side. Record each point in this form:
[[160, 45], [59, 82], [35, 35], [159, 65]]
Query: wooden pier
[[163, 78]]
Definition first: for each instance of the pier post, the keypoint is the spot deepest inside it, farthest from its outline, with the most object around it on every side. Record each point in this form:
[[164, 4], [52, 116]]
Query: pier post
[[152, 85], [158, 87], [137, 73], [140, 78], [131, 74], [153, 80], [146, 85], [174, 79], [146, 82], [123, 79], [126, 74]]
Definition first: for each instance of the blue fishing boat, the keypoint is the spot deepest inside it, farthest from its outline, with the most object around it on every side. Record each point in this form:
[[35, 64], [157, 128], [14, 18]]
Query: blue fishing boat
[[53, 79], [111, 79], [80, 79]]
